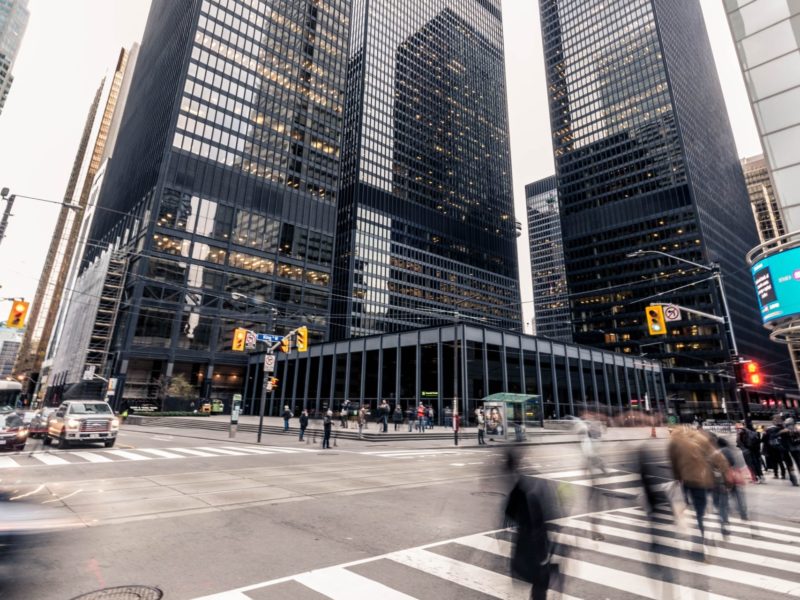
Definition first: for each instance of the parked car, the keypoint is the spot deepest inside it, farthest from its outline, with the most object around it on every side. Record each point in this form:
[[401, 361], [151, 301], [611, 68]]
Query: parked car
[[81, 421], [37, 428], [13, 432]]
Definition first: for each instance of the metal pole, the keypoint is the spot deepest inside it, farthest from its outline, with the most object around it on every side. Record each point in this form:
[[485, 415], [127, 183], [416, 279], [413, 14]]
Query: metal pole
[[6, 214], [455, 379], [266, 386]]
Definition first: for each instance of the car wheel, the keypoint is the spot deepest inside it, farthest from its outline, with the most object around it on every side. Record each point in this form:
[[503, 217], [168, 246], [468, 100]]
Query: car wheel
[[63, 443], [47, 440], [109, 443], [20, 448]]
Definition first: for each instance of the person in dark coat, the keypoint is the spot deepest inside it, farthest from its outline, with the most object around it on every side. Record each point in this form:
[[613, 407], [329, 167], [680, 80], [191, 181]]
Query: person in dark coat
[[397, 416], [327, 424], [528, 507], [776, 444], [287, 414], [303, 423]]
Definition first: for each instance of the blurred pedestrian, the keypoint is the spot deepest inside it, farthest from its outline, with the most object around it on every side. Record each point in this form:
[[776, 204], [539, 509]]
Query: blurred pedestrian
[[431, 416], [694, 460], [777, 446], [287, 414], [481, 429], [530, 506], [343, 414], [383, 414], [327, 424], [397, 416], [303, 423], [793, 440], [411, 416], [745, 439], [735, 479], [421, 417], [588, 432], [362, 421]]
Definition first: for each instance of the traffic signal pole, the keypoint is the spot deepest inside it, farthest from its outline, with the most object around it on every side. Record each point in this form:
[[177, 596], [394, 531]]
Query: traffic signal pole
[[266, 385]]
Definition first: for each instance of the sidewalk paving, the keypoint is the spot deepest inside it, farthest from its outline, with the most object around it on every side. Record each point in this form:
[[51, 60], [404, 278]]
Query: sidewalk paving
[[216, 428]]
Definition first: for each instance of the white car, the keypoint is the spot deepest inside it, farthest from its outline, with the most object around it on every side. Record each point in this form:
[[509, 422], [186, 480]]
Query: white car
[[79, 421]]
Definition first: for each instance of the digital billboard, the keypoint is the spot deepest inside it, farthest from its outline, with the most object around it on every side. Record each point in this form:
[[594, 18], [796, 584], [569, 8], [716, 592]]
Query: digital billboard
[[777, 281]]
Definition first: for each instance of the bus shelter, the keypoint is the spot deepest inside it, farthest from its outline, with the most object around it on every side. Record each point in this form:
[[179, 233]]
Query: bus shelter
[[508, 415]]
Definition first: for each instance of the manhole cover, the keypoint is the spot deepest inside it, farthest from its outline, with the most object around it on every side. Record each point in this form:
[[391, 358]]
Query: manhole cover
[[124, 592]]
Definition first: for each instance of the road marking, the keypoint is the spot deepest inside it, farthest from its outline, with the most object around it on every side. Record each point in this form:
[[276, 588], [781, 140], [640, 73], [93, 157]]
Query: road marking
[[221, 451], [340, 584], [600, 481], [128, 455], [91, 457], [248, 449], [161, 453], [49, 459], [7, 463], [192, 452]]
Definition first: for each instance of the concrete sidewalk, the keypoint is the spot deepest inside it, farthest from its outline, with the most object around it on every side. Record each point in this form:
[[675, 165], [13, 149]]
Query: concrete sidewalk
[[217, 428]]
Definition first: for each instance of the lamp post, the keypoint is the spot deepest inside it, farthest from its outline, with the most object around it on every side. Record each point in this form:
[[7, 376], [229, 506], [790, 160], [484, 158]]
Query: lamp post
[[716, 274]]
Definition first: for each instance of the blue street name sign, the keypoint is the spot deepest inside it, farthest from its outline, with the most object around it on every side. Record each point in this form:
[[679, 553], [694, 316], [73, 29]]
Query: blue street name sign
[[268, 337]]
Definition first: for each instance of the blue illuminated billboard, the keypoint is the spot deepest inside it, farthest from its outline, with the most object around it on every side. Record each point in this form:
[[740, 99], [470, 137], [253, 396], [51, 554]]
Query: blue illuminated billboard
[[777, 281]]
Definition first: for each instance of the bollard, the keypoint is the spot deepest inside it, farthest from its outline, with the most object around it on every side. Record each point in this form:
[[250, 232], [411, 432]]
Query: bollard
[[334, 440]]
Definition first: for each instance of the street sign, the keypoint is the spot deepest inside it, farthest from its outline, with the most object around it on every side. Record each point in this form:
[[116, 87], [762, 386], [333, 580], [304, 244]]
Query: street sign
[[672, 313], [269, 363], [250, 340], [88, 373], [268, 387], [268, 337]]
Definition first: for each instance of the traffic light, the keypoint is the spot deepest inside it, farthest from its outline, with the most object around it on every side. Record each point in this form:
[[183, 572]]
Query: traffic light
[[273, 382], [752, 373], [302, 339], [239, 337], [19, 310], [286, 344], [655, 320]]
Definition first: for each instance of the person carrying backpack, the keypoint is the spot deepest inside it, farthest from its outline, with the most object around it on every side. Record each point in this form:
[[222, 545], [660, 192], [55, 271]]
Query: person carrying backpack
[[777, 444], [303, 423], [287, 414]]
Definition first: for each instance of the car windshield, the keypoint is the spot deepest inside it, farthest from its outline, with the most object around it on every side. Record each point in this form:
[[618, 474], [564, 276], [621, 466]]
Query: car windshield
[[89, 408], [12, 420]]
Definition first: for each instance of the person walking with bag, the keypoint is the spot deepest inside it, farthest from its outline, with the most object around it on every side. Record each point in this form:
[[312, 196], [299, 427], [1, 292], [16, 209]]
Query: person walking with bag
[[303, 423], [327, 424]]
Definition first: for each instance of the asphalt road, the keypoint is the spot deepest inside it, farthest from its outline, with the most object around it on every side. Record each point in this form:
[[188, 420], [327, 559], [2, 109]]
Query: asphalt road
[[195, 515]]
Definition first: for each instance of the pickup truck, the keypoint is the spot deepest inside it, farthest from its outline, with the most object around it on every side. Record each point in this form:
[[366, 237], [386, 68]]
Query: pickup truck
[[82, 421]]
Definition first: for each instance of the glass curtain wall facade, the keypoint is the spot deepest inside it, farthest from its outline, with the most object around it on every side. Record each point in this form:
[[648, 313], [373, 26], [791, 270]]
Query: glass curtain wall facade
[[417, 366], [645, 160], [550, 293], [764, 203], [425, 219], [226, 172], [13, 22], [767, 38]]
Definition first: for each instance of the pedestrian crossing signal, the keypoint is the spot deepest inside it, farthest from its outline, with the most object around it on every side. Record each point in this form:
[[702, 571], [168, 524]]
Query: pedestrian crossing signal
[[273, 382], [19, 310], [302, 339], [239, 338], [286, 344], [655, 320]]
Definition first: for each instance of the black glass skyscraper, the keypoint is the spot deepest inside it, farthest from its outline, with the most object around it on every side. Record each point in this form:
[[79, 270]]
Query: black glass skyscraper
[[221, 196], [425, 218], [645, 160]]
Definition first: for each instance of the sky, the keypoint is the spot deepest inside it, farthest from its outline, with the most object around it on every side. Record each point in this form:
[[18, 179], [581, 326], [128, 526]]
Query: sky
[[71, 44]]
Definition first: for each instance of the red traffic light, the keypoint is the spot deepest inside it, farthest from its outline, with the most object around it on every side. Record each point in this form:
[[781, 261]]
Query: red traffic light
[[752, 367], [752, 373]]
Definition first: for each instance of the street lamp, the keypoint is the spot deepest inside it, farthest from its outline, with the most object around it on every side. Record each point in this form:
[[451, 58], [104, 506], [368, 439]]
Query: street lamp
[[717, 276]]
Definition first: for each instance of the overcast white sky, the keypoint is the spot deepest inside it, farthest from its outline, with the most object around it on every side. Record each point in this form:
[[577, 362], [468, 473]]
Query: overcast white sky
[[71, 44]]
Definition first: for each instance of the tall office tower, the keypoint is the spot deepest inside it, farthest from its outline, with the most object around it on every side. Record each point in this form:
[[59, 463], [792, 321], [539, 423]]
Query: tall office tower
[[218, 206], [550, 293], [767, 38], [10, 341], [55, 272], [764, 204], [645, 161], [13, 21], [425, 220]]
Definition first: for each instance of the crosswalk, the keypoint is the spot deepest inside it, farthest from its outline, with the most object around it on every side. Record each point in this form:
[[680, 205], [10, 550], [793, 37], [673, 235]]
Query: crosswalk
[[623, 483], [616, 554], [27, 459], [424, 453]]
